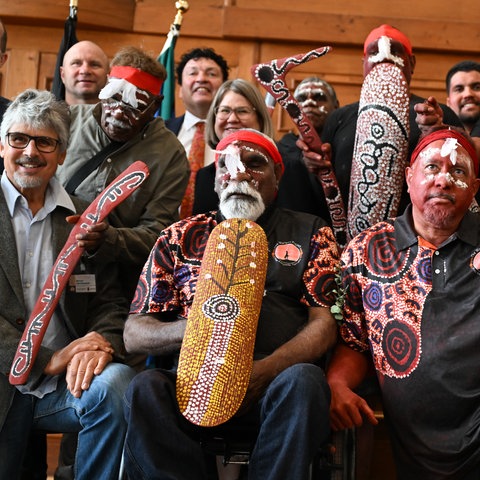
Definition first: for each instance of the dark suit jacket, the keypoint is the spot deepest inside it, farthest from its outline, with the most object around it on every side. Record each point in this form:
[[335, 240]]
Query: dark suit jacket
[[104, 311], [175, 124]]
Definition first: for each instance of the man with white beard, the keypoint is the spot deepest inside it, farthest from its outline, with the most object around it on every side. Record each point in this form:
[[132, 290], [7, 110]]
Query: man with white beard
[[287, 399]]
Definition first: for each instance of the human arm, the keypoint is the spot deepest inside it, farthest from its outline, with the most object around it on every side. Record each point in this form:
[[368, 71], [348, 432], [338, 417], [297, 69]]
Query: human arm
[[147, 333], [137, 222], [345, 372], [307, 346]]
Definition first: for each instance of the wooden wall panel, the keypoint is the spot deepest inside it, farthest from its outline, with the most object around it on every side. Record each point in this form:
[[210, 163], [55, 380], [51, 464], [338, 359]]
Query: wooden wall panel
[[246, 32], [114, 15]]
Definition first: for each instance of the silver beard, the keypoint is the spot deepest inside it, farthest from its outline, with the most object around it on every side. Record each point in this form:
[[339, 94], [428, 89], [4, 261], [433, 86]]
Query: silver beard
[[23, 181], [248, 208]]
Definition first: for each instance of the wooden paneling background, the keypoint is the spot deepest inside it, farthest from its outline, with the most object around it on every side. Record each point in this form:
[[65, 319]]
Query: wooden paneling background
[[246, 32]]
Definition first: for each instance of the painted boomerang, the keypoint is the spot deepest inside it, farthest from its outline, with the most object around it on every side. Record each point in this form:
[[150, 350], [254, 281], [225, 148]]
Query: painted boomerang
[[272, 77], [121, 188]]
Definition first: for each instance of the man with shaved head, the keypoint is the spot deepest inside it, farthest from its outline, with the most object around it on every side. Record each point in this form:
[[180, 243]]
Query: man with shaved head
[[84, 72]]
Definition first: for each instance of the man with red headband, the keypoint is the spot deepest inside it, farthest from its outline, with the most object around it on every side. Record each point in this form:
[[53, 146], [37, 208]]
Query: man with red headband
[[108, 137], [412, 309], [384, 44], [287, 399]]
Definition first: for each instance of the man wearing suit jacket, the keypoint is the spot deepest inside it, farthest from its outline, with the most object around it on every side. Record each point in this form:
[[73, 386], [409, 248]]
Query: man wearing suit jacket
[[200, 73], [76, 383]]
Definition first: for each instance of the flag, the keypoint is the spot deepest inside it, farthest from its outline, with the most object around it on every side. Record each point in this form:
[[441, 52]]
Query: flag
[[69, 39], [167, 59]]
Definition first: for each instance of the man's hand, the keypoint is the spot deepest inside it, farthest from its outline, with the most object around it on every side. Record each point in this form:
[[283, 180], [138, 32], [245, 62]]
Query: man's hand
[[92, 341], [83, 367], [260, 379], [429, 115], [95, 236], [347, 409], [315, 161]]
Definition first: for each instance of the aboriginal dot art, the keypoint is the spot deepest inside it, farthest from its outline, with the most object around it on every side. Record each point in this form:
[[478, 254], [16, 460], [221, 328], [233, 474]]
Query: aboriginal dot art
[[216, 356]]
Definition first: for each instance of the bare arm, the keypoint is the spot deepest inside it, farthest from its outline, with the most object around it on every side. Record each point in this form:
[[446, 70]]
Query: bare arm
[[147, 333], [346, 371], [307, 346]]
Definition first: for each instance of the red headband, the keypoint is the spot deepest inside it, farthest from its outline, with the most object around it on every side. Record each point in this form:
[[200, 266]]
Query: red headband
[[252, 136], [446, 133], [137, 77], [390, 32]]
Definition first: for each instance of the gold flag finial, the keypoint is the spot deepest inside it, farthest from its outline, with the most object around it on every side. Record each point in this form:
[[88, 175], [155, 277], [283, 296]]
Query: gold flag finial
[[182, 7]]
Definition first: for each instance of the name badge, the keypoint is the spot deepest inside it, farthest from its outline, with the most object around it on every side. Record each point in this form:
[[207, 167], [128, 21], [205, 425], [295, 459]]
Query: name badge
[[82, 283]]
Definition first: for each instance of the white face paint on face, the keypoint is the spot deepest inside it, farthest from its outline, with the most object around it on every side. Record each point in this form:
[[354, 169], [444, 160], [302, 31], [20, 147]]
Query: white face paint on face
[[233, 161], [385, 53], [448, 149]]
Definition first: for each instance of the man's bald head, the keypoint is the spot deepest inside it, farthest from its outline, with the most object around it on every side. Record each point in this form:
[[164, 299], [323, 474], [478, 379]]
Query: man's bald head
[[84, 72]]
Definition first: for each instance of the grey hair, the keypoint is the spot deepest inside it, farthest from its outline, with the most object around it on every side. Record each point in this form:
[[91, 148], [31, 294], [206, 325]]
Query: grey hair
[[38, 109], [248, 91]]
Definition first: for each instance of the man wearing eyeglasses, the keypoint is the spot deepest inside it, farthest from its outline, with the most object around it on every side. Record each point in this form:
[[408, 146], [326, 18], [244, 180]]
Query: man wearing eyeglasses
[[121, 129], [76, 383]]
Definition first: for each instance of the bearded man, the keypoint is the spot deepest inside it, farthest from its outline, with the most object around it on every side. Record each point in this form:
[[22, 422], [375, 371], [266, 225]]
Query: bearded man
[[287, 399]]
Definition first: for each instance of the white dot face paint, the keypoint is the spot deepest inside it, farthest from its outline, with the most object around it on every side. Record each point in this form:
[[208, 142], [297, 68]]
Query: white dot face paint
[[385, 53], [233, 159], [448, 149], [310, 95]]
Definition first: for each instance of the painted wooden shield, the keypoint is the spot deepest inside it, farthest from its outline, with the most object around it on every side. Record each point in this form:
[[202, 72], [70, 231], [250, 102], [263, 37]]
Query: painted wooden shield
[[381, 148], [216, 357]]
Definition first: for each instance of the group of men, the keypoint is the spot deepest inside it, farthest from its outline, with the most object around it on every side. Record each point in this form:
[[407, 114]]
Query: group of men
[[407, 282]]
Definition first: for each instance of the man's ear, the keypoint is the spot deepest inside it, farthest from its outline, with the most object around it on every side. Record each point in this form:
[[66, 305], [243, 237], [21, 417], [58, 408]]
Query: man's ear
[[408, 176], [277, 168], [3, 59]]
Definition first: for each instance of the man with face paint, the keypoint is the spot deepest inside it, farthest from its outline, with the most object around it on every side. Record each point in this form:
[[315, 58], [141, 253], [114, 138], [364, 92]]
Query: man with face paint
[[299, 189], [295, 328], [412, 308], [384, 44], [124, 119]]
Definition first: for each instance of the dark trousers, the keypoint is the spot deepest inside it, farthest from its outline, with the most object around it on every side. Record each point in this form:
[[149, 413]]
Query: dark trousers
[[292, 419]]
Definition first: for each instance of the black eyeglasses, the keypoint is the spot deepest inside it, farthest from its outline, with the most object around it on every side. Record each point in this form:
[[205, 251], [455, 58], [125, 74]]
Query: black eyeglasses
[[223, 112], [21, 140]]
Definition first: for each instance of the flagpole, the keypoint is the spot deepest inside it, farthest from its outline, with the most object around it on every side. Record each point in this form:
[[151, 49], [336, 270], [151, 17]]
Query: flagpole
[[166, 58], [73, 8], [182, 7], [68, 40]]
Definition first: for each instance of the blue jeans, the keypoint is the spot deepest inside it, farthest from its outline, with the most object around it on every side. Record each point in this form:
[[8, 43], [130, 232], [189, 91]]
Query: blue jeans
[[97, 415], [292, 419]]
